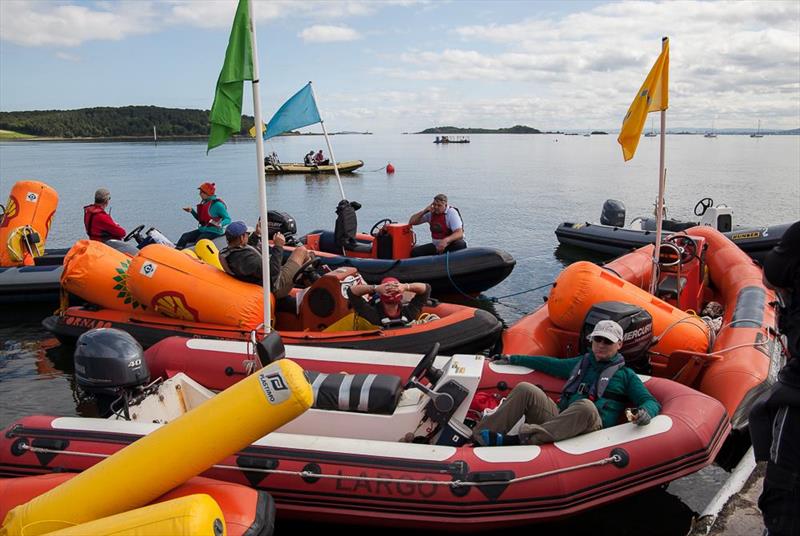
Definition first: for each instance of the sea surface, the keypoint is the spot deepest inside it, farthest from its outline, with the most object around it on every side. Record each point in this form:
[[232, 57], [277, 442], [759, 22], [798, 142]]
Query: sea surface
[[512, 190]]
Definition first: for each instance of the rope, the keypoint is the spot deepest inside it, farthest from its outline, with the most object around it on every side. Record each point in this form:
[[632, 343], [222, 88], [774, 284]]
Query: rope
[[310, 474]]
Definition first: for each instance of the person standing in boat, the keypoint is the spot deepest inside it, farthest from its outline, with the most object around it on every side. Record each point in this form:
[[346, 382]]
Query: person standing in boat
[[243, 261], [598, 388], [387, 305], [211, 215], [447, 228], [97, 219], [775, 417]]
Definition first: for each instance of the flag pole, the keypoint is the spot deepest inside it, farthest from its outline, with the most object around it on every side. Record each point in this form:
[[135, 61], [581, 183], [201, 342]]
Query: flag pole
[[662, 179], [262, 183], [328, 142]]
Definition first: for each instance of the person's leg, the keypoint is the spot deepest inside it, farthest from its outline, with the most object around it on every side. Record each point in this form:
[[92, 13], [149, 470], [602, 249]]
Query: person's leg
[[456, 245], [423, 249], [187, 238], [284, 283], [579, 418], [524, 400], [780, 497]]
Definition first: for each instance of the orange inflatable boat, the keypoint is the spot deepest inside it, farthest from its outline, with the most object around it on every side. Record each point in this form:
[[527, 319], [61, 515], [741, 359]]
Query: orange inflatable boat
[[26, 222], [732, 358]]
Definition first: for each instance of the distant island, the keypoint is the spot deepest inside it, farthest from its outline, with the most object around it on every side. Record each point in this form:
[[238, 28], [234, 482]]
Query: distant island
[[516, 129], [117, 123]]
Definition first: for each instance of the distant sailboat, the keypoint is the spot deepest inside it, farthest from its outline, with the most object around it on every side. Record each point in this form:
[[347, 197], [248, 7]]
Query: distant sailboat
[[712, 133], [757, 133], [652, 133]]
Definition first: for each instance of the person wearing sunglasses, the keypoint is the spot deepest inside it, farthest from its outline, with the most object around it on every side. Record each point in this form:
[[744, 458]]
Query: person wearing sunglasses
[[598, 389]]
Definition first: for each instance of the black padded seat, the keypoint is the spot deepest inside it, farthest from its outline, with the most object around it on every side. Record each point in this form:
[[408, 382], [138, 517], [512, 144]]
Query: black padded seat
[[669, 287], [363, 393], [327, 243]]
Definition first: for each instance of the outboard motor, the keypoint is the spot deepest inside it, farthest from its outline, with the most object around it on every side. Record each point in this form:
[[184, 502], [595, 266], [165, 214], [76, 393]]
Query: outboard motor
[[281, 222], [110, 364], [613, 213], [637, 327]]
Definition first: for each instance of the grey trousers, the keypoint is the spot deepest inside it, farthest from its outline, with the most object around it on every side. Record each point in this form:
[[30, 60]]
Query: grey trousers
[[543, 423]]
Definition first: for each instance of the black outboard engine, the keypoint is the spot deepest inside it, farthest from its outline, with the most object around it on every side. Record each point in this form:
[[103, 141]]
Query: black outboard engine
[[281, 222], [109, 363], [613, 213], [637, 327]]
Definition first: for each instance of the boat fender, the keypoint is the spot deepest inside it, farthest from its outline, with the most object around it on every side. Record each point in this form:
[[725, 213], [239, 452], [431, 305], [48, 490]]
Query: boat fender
[[389, 168], [208, 252], [96, 273], [26, 222]]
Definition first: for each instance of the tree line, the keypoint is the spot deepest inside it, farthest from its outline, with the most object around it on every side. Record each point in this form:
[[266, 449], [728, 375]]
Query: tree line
[[107, 122]]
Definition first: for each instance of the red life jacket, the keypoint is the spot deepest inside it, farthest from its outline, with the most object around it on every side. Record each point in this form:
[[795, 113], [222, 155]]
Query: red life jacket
[[203, 210], [439, 228], [89, 213]]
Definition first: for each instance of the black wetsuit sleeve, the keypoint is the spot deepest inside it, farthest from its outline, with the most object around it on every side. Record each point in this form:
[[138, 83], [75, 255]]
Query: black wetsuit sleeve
[[414, 307], [363, 308]]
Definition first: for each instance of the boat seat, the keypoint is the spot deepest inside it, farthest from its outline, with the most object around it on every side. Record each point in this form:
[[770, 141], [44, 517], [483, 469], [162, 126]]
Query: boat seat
[[327, 243], [668, 287], [363, 393]]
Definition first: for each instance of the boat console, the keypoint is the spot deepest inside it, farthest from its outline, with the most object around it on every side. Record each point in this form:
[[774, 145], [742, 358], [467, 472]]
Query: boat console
[[682, 265]]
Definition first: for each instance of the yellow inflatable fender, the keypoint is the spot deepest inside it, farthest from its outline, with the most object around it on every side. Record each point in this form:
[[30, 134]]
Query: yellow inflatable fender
[[171, 454], [208, 252], [29, 211], [190, 253], [197, 514]]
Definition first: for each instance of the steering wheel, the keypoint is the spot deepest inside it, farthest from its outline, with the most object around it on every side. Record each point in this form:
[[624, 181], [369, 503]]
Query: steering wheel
[[682, 246], [309, 270], [133, 233], [703, 205], [423, 367], [375, 228]]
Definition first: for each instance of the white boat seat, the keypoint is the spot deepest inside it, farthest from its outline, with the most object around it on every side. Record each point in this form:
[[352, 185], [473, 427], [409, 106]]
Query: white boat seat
[[669, 288], [363, 393]]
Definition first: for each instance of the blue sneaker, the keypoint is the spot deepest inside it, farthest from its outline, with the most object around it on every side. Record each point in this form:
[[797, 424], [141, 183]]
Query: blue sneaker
[[489, 439]]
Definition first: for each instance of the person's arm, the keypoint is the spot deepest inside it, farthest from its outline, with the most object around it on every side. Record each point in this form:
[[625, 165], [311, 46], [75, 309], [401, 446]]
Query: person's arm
[[360, 305], [554, 366], [107, 226], [454, 222], [423, 216], [362, 290], [422, 292], [449, 239], [219, 213], [640, 396]]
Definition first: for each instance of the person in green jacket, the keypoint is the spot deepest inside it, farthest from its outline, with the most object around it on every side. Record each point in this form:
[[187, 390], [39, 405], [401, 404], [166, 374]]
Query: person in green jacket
[[598, 389], [211, 215]]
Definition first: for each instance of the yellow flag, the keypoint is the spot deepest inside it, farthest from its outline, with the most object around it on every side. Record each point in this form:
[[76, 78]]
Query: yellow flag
[[653, 96], [252, 130]]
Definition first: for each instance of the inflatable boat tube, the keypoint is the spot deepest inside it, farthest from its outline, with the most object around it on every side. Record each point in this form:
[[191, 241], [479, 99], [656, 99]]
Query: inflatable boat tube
[[30, 208], [98, 274], [160, 461]]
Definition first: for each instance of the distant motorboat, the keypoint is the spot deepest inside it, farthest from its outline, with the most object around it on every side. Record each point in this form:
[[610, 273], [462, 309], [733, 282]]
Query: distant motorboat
[[451, 139]]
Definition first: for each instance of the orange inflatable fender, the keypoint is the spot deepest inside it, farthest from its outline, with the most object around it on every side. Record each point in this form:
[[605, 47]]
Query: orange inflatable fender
[[178, 286], [583, 284], [29, 210], [98, 274]]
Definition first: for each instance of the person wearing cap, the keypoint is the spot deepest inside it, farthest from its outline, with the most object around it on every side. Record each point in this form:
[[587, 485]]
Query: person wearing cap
[[211, 215], [98, 222], [387, 306], [243, 261], [775, 417], [598, 388], [447, 228]]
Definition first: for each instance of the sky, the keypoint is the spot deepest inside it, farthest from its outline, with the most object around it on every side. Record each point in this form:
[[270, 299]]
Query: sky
[[406, 65]]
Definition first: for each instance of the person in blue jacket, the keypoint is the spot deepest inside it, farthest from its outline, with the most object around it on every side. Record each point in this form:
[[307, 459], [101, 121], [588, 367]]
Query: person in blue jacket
[[598, 389]]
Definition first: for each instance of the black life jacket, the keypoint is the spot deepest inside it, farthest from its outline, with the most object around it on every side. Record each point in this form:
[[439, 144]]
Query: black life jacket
[[575, 383]]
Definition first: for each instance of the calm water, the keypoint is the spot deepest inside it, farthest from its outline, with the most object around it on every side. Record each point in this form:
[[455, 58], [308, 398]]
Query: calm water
[[512, 191]]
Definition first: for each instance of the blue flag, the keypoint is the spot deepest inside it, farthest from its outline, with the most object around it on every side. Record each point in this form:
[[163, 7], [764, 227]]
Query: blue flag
[[299, 111]]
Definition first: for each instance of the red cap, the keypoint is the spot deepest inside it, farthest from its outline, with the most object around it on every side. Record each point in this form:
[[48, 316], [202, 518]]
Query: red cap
[[396, 297], [389, 280], [208, 188]]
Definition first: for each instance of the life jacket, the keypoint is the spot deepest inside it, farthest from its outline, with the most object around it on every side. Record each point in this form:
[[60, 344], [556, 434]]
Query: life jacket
[[438, 223], [89, 213], [575, 383], [204, 210]]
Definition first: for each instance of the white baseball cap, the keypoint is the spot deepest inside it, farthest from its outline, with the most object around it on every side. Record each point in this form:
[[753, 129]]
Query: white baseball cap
[[608, 329]]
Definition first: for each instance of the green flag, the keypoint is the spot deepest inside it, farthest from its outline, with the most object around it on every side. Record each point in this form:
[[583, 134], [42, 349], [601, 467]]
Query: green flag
[[226, 112]]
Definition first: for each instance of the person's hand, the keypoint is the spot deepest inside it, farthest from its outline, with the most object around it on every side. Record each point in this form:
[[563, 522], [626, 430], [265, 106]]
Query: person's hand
[[187, 209], [441, 246], [642, 418], [279, 240], [501, 359]]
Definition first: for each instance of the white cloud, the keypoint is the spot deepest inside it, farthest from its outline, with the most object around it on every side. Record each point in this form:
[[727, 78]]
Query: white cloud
[[67, 56], [328, 34]]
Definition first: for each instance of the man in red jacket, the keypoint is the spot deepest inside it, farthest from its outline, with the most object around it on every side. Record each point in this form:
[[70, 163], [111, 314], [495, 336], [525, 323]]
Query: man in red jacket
[[99, 224]]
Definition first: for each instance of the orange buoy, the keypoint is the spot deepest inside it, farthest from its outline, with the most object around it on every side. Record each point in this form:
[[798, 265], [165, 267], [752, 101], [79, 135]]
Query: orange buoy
[[98, 274], [389, 168], [26, 222]]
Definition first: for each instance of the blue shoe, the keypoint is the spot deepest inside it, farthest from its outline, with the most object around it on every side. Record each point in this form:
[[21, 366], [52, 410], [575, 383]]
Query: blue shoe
[[489, 439]]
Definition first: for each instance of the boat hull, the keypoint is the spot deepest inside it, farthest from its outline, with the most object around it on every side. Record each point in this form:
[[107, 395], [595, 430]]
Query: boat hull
[[295, 168]]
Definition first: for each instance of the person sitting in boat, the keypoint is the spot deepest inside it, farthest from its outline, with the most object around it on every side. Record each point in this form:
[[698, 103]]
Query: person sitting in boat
[[211, 215], [243, 261], [386, 308], [97, 218], [308, 159], [320, 160], [775, 417], [598, 388], [271, 159], [447, 228]]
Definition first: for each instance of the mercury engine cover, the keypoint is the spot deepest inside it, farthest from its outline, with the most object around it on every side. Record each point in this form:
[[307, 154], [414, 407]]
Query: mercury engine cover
[[281, 222], [637, 328], [613, 213], [107, 359]]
